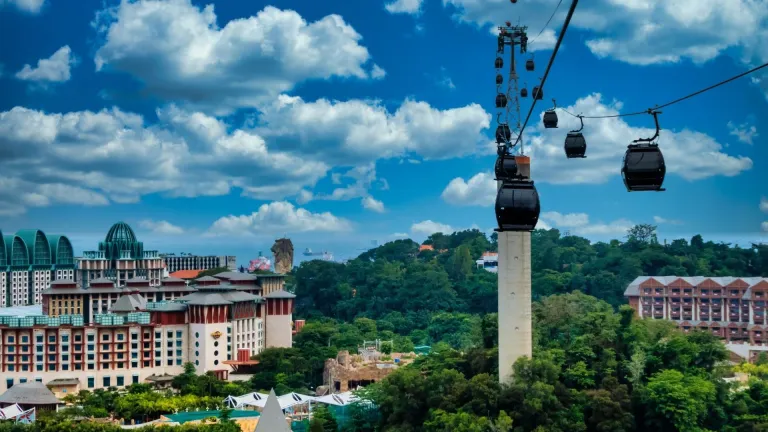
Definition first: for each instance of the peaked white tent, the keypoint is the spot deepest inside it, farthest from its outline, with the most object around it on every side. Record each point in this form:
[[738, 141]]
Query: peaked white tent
[[272, 418], [251, 399], [10, 412], [338, 399]]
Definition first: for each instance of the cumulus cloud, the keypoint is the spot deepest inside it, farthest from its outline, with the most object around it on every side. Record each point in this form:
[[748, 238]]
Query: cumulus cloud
[[355, 132], [429, 227], [113, 153], [377, 72], [280, 217], [689, 154], [30, 6], [664, 221], [180, 52], [480, 190], [55, 69], [764, 205], [16, 195], [372, 204], [744, 132], [161, 227], [412, 7], [639, 32], [579, 224]]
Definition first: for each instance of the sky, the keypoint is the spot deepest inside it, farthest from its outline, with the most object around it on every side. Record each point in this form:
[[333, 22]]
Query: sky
[[217, 127]]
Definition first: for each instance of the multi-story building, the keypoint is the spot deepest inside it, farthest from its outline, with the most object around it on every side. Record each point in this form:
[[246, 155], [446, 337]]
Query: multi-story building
[[106, 335], [730, 307], [489, 261], [120, 257], [29, 261], [175, 262]]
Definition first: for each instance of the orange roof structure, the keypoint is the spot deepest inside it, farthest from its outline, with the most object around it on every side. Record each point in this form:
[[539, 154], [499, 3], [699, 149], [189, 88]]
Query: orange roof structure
[[426, 247], [186, 274]]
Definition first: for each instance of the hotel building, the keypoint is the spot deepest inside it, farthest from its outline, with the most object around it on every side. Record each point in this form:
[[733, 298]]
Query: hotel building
[[175, 262], [730, 307], [29, 261]]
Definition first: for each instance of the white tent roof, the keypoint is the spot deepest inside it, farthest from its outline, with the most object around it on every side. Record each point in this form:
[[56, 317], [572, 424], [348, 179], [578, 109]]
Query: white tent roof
[[338, 399], [250, 399], [11, 411], [291, 399]]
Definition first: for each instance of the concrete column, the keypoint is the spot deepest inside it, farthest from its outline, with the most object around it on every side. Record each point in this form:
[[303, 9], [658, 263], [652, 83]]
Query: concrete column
[[515, 328]]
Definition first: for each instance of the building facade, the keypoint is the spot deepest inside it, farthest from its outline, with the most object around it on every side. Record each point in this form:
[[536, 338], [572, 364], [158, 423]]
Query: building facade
[[108, 335], [120, 257], [29, 261], [732, 308], [175, 263]]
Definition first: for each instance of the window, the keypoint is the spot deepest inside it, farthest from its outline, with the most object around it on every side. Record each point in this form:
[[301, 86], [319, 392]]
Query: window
[[78, 337], [197, 334], [51, 338], [51, 367], [178, 334], [11, 340], [10, 349], [105, 347], [119, 365], [39, 358], [120, 346], [90, 339], [105, 356], [91, 347], [178, 343], [51, 357], [120, 337], [178, 362], [22, 380], [65, 348], [135, 379], [25, 339], [65, 357], [120, 381], [105, 337], [65, 367], [158, 335], [65, 338], [10, 368], [158, 362], [134, 336], [38, 379], [169, 334], [106, 381], [134, 355], [39, 367], [134, 365], [39, 348], [178, 353], [170, 362], [9, 382], [39, 338], [91, 382], [91, 366], [158, 344]]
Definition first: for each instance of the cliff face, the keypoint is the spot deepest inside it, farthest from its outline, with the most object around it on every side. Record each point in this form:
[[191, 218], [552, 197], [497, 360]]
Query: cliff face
[[283, 252]]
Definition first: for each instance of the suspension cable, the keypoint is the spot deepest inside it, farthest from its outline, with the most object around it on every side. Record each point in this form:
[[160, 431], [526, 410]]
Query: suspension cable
[[549, 66], [547, 24], [696, 93]]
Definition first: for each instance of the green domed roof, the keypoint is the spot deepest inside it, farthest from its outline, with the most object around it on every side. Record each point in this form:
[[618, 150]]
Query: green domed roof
[[121, 232]]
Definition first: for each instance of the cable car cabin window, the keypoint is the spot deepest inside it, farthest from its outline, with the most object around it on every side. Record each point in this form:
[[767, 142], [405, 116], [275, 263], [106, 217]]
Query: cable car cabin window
[[644, 168], [575, 145], [517, 206]]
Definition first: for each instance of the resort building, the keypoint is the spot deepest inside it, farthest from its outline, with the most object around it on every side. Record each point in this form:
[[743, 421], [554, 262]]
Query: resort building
[[732, 308], [186, 261], [29, 261]]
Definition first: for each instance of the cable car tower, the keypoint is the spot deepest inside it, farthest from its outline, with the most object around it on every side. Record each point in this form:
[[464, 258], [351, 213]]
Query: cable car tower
[[517, 207]]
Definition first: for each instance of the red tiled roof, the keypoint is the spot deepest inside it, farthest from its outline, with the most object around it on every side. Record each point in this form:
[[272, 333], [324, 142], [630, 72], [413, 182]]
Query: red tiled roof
[[186, 274]]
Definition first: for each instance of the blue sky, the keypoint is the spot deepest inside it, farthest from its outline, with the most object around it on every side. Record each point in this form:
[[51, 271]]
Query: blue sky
[[216, 127]]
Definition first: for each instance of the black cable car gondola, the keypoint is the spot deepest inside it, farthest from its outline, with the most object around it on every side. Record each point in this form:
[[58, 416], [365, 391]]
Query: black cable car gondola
[[503, 133], [501, 100], [575, 144], [644, 167], [517, 205], [538, 93], [501, 43], [524, 92], [530, 65], [499, 63], [550, 117], [506, 166], [499, 79]]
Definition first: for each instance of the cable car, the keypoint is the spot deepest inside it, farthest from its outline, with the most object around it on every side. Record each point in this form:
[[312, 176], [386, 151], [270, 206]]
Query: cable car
[[499, 63], [550, 119], [517, 205], [506, 167], [644, 168], [529, 65], [524, 92], [503, 133], [499, 79], [501, 100], [538, 93], [575, 145], [501, 42]]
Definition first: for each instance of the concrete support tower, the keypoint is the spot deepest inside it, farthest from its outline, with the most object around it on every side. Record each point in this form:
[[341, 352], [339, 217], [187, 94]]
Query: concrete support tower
[[515, 327]]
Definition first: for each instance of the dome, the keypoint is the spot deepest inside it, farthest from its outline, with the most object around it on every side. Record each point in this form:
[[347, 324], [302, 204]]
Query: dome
[[120, 232]]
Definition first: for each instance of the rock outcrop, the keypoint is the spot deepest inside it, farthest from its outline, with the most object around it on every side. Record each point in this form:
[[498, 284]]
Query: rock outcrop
[[283, 252]]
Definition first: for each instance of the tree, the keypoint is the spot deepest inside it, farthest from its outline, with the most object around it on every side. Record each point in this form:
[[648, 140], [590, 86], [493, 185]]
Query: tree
[[322, 420]]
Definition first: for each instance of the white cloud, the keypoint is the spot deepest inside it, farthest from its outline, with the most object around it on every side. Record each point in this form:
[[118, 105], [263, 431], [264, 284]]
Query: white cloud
[[279, 217], [113, 153], [545, 42], [31, 6], [480, 190], [356, 132], [429, 227], [412, 7], [745, 132], [643, 31], [372, 204], [377, 72], [180, 52], [688, 154], [55, 69], [17, 194], [161, 227], [579, 224], [664, 221], [764, 204], [304, 196]]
